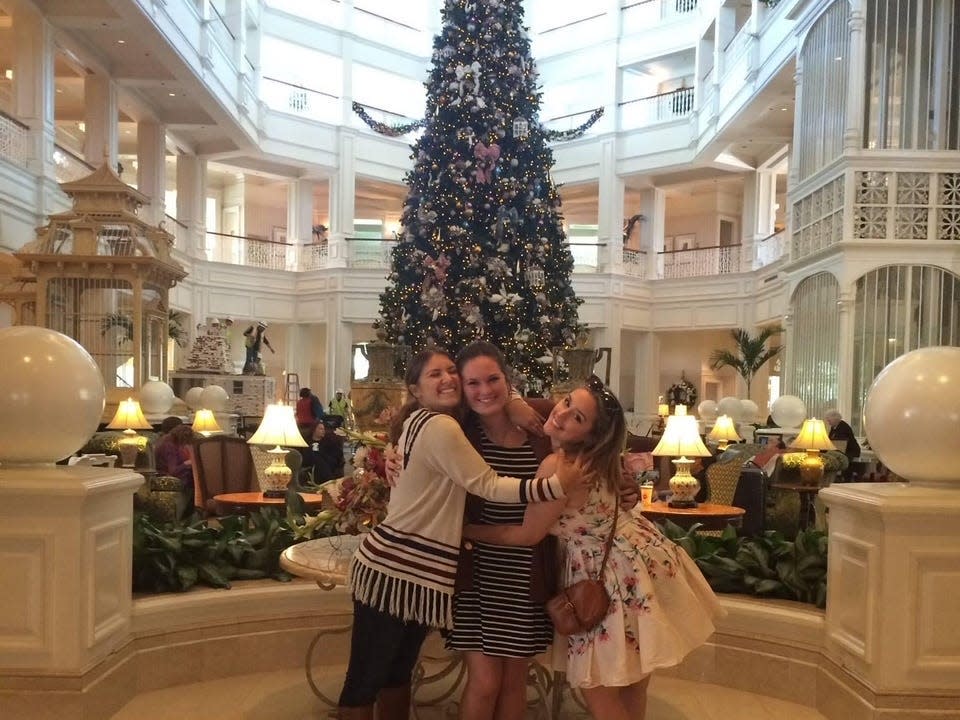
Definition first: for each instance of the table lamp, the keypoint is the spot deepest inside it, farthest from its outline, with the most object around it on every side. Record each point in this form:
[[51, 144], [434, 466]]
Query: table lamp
[[205, 423], [278, 427], [681, 438], [813, 438], [723, 432], [129, 418], [663, 411]]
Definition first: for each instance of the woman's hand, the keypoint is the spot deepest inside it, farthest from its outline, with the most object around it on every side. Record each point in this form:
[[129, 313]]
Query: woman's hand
[[572, 473], [524, 416], [393, 464], [629, 490]]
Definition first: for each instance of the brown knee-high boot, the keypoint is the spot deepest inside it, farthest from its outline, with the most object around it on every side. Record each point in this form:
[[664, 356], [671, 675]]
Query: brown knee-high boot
[[394, 703], [364, 712]]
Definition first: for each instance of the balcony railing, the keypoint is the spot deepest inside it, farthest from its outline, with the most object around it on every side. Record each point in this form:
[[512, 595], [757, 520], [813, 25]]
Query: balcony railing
[[313, 256], [769, 249], [650, 13], [70, 167], [14, 140], [364, 253], [249, 251], [699, 262], [641, 112], [297, 99], [635, 263]]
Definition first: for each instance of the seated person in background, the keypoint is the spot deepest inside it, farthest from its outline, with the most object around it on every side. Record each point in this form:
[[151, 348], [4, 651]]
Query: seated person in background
[[842, 434], [324, 455], [174, 455], [309, 409]]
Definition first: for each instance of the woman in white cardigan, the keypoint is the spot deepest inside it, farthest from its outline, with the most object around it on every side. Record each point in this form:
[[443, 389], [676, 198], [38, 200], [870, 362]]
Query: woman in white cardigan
[[402, 576]]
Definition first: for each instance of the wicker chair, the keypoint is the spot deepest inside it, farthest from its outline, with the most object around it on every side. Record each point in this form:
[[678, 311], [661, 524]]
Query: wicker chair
[[722, 480]]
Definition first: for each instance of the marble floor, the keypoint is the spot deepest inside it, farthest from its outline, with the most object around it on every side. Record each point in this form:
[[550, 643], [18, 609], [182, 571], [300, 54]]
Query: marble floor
[[285, 695]]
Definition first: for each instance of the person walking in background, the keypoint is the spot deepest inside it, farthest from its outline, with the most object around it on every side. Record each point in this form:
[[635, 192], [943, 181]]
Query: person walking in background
[[402, 575], [308, 410], [340, 407], [661, 607]]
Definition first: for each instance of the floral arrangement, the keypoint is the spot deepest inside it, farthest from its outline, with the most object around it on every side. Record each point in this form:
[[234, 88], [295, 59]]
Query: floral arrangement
[[682, 393], [833, 461], [360, 499]]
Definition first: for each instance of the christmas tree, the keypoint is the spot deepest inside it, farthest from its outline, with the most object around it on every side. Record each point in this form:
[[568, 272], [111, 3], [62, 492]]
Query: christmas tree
[[481, 252]]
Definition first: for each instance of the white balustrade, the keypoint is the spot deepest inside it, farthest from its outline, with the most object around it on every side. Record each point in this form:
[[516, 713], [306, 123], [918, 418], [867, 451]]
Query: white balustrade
[[69, 167], [769, 250], [634, 263], [14, 140], [701, 262], [299, 100], [654, 109], [313, 257]]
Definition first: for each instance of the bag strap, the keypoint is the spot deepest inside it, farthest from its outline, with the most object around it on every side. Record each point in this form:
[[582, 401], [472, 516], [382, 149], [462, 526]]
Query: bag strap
[[609, 543]]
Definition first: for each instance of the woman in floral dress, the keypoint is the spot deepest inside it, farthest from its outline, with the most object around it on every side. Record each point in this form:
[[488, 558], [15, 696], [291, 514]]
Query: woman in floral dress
[[661, 607]]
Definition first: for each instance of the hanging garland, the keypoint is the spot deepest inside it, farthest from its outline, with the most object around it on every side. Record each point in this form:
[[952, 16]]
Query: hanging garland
[[560, 135], [383, 128]]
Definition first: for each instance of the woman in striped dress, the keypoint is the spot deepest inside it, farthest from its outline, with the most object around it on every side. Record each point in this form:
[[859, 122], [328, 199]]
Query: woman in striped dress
[[499, 622]]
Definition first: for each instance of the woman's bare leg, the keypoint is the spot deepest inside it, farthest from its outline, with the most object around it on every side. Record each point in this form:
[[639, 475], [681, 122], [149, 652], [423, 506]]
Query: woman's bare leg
[[605, 703], [512, 701], [484, 678], [634, 698]]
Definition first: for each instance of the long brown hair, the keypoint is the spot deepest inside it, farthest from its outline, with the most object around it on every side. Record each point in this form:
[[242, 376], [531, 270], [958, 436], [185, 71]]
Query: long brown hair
[[601, 449], [481, 349], [412, 377]]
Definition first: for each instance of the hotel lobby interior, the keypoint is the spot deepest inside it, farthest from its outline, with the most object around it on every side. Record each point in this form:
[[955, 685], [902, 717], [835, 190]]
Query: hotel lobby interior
[[202, 166]]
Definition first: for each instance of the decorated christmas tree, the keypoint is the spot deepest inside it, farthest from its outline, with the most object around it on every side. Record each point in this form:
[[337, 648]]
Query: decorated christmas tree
[[482, 252]]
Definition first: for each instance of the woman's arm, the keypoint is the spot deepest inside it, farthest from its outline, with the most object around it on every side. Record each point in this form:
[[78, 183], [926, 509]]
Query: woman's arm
[[537, 521], [447, 449]]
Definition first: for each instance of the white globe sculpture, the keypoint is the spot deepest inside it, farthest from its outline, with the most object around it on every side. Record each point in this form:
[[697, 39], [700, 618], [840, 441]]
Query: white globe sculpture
[[730, 406], [788, 411], [749, 411], [912, 415], [192, 397], [214, 398], [156, 397], [707, 410], [51, 397]]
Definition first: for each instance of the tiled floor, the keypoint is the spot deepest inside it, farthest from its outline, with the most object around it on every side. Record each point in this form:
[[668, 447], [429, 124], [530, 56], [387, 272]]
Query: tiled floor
[[285, 695]]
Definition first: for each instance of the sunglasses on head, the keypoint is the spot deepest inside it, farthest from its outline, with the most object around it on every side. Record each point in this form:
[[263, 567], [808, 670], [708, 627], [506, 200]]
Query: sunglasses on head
[[610, 402]]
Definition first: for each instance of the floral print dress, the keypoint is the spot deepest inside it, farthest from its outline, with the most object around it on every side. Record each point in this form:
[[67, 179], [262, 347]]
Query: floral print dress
[[661, 607]]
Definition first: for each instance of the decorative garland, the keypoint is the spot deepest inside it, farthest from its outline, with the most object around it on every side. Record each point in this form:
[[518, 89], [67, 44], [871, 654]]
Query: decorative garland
[[560, 135], [383, 128]]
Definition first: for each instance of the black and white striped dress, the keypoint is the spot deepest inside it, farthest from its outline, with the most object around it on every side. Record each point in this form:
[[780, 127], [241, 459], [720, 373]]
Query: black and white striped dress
[[496, 617]]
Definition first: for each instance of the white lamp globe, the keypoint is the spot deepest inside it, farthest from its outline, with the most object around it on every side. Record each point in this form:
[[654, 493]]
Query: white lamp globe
[[730, 406], [912, 415], [192, 398], [51, 397], [707, 410], [788, 411], [214, 398], [749, 411], [156, 397]]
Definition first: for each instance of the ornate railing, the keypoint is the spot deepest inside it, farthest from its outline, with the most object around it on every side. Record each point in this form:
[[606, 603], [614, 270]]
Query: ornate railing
[[313, 256], [635, 263], [673, 105], [769, 249], [14, 140], [648, 13], [69, 166], [700, 262], [297, 99], [248, 251]]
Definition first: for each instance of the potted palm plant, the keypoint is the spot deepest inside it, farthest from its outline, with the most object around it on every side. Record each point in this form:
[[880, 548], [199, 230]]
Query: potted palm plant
[[750, 355]]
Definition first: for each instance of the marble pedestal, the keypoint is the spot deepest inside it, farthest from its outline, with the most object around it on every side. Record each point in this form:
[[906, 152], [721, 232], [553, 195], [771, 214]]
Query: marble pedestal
[[892, 626], [65, 566]]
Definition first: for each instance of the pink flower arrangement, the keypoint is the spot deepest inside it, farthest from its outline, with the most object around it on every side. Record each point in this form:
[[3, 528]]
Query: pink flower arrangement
[[362, 499]]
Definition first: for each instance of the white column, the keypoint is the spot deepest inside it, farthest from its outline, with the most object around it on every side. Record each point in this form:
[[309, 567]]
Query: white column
[[191, 202], [101, 112], [342, 200], [845, 305], [759, 212], [339, 354], [299, 211], [33, 88], [653, 207], [610, 207], [856, 67], [647, 374], [152, 169]]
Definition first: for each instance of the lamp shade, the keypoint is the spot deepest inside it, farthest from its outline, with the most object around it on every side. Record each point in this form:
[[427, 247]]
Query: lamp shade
[[663, 410], [278, 427], [681, 437], [723, 430], [129, 417], [813, 436], [205, 423]]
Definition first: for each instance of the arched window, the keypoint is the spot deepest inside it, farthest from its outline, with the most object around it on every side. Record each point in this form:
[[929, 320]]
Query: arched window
[[814, 343], [900, 308]]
